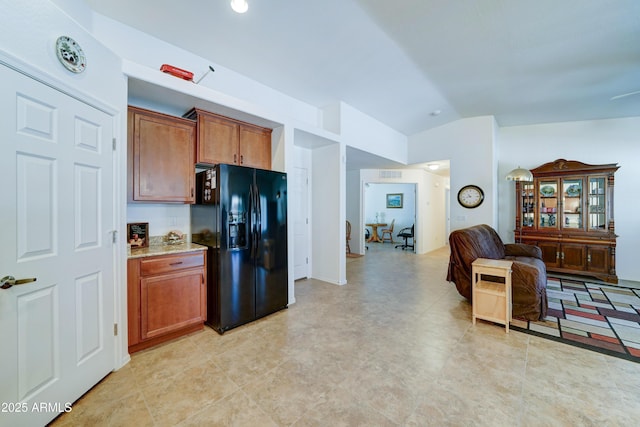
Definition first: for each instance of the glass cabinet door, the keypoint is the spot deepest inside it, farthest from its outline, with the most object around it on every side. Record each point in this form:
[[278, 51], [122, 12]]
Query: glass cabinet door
[[572, 203], [597, 204], [548, 204], [528, 204]]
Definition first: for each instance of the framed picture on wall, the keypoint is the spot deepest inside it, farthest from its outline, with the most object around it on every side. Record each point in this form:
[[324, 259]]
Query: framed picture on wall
[[394, 200], [138, 234]]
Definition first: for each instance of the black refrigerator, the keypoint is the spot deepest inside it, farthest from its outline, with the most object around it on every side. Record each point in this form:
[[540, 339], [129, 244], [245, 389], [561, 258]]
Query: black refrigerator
[[241, 215]]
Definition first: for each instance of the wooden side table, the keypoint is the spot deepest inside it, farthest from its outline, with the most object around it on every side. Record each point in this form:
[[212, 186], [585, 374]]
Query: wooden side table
[[491, 300]]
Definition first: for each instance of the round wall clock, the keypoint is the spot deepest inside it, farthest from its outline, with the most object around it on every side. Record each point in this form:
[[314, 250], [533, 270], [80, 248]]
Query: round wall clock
[[470, 196], [70, 54]]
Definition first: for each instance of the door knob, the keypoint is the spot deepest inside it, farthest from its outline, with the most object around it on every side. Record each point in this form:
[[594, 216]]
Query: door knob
[[8, 281]]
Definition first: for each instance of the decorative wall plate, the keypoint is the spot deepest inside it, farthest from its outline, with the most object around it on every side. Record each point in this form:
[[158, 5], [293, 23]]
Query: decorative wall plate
[[70, 54]]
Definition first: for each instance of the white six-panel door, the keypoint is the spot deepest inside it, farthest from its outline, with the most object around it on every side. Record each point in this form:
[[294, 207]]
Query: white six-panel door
[[56, 220]]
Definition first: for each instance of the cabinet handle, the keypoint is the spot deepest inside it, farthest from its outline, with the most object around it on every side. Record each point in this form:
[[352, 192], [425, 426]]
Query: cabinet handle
[[176, 263], [562, 257], [235, 158], [589, 258], [557, 255], [241, 159]]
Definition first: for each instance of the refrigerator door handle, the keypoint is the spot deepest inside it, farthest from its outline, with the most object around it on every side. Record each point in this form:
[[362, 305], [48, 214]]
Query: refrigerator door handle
[[259, 213], [251, 221], [255, 220]]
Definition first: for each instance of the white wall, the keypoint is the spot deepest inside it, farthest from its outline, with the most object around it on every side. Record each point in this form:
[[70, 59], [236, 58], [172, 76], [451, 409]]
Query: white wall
[[469, 145], [365, 133], [233, 89], [353, 212], [78, 10], [162, 218], [327, 216], [29, 30], [595, 142], [432, 212]]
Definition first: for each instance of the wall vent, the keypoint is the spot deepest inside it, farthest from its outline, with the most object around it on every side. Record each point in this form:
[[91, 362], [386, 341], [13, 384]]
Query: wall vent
[[390, 174]]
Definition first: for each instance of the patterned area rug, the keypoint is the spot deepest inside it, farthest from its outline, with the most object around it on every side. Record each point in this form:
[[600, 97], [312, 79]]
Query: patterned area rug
[[603, 318]]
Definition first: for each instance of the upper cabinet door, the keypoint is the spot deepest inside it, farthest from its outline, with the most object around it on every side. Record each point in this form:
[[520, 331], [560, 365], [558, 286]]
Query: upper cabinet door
[[217, 140], [527, 213], [597, 203], [572, 203], [255, 147], [161, 157], [548, 203]]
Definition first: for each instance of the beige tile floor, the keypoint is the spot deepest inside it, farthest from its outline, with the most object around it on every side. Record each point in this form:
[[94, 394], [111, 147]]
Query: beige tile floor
[[394, 347]]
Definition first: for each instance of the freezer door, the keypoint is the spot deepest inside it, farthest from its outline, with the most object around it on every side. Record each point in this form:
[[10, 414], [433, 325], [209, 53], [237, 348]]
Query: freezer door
[[236, 282], [271, 251]]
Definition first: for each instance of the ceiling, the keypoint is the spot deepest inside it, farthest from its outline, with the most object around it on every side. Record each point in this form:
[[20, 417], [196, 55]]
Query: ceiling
[[417, 64]]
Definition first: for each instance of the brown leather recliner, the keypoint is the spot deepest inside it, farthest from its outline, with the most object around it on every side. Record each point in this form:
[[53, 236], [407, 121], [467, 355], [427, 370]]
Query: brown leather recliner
[[528, 277]]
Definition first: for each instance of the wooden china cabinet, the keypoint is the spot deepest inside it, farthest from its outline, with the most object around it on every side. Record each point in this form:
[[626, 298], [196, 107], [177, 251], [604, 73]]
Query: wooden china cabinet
[[567, 211]]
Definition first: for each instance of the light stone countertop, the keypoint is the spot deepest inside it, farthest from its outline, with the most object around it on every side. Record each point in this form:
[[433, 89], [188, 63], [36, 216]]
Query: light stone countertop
[[164, 249]]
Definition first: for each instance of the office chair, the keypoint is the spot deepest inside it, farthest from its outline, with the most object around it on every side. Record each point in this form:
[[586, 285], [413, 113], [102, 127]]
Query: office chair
[[367, 235], [406, 233]]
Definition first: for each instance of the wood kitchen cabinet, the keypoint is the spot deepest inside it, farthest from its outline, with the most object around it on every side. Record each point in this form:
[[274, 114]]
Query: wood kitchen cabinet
[[166, 297], [224, 140], [161, 157], [567, 211]]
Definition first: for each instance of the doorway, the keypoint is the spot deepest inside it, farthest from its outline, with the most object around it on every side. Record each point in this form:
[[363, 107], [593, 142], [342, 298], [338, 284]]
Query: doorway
[[389, 206]]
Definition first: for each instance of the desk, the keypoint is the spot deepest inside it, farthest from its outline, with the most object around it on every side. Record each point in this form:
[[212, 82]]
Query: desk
[[374, 231]]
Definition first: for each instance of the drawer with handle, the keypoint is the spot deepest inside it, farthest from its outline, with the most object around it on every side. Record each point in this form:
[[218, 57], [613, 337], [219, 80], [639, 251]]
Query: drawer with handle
[[168, 263]]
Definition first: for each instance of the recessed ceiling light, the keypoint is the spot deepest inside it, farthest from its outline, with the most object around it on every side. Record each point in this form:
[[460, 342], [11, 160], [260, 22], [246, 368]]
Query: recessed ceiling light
[[433, 167], [240, 6], [435, 112]]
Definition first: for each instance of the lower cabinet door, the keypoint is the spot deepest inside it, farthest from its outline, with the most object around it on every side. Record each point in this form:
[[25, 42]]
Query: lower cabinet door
[[573, 256], [598, 259], [170, 302], [550, 254]]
